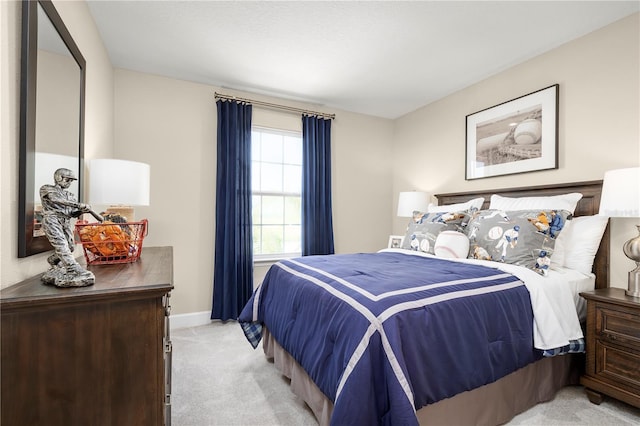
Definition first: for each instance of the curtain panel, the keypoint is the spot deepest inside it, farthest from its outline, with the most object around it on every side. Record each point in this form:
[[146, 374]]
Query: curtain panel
[[317, 222], [233, 265]]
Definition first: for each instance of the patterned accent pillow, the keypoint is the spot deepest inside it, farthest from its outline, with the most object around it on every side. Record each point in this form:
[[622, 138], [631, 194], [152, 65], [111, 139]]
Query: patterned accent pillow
[[523, 237], [424, 228]]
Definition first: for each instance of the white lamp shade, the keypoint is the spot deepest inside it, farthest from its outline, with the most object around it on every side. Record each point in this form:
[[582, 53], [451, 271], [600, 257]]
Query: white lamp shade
[[410, 201], [621, 193], [118, 182]]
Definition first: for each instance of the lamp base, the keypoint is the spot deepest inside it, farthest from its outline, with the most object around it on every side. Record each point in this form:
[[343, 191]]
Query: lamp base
[[632, 250], [634, 283]]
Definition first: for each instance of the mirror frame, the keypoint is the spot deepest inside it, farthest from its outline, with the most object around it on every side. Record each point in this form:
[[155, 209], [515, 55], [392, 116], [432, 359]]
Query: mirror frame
[[28, 244]]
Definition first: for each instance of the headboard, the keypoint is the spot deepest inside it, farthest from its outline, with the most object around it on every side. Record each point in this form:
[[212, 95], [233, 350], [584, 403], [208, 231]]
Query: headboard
[[587, 206]]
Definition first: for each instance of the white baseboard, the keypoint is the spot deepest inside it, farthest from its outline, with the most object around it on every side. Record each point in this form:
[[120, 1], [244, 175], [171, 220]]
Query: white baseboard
[[192, 319]]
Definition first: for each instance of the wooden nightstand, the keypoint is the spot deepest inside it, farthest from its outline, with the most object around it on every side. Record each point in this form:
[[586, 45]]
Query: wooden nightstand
[[613, 346]]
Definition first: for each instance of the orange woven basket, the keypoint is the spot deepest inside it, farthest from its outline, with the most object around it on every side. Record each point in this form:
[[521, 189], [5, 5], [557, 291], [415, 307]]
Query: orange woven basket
[[110, 243]]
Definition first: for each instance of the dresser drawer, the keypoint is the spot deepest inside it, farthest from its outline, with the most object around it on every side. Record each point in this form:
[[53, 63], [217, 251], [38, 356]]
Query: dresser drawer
[[617, 364], [618, 323]]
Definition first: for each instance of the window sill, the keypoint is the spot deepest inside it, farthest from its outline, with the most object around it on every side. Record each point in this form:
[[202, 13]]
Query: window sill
[[274, 259]]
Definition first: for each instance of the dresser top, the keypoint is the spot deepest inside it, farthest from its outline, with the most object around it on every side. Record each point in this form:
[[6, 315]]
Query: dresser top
[[152, 273], [612, 295]]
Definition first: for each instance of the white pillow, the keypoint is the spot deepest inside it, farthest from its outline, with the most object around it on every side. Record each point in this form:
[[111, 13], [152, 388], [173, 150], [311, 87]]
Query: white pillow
[[476, 204], [554, 202], [577, 244], [451, 244]]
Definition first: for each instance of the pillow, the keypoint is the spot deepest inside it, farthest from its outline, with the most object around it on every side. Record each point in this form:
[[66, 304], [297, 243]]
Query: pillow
[[578, 243], [424, 228], [524, 237], [471, 205], [451, 244], [557, 202]]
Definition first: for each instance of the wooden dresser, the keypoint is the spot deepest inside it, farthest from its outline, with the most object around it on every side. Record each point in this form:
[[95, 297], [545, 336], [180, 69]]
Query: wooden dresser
[[613, 346], [98, 355]]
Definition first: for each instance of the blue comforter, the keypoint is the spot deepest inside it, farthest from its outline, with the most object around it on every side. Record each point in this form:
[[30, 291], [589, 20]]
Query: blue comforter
[[383, 334]]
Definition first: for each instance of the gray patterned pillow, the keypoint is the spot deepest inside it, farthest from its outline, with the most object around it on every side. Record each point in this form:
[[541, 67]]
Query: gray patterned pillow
[[424, 228], [524, 237]]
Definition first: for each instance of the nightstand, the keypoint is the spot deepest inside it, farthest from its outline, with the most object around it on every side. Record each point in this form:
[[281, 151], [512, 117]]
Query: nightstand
[[613, 346]]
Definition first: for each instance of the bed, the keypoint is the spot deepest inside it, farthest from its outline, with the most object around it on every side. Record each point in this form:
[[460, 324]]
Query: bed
[[374, 376]]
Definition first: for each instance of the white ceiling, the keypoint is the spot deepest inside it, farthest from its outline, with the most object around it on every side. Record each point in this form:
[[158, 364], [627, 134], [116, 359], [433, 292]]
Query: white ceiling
[[382, 58]]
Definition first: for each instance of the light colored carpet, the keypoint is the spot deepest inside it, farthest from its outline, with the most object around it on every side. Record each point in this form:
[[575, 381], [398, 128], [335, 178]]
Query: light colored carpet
[[218, 379]]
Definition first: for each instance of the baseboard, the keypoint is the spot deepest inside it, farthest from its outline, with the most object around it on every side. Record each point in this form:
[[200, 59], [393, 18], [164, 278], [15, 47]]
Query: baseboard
[[192, 319]]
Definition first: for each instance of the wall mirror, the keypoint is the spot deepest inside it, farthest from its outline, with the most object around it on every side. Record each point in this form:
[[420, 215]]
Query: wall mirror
[[51, 115]]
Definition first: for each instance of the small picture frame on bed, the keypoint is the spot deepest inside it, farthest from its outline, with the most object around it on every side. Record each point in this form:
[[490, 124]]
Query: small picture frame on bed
[[517, 136], [395, 241]]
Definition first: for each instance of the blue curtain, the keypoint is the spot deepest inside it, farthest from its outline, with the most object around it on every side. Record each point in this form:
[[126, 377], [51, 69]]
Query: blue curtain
[[233, 266], [317, 223]]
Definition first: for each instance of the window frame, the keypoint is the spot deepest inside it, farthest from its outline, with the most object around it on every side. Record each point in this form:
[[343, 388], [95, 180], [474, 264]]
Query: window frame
[[274, 257]]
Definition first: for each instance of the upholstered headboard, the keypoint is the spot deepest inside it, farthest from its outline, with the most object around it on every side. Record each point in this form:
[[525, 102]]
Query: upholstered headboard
[[587, 206]]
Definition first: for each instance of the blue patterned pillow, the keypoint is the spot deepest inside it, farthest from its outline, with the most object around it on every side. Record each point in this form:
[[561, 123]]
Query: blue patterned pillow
[[424, 228], [524, 237]]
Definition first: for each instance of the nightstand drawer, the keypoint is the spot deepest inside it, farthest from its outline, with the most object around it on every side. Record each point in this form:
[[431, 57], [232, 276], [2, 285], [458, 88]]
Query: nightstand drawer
[[617, 364], [617, 323]]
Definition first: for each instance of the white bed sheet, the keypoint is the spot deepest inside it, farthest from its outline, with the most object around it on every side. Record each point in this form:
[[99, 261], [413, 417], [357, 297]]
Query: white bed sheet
[[577, 283], [555, 300]]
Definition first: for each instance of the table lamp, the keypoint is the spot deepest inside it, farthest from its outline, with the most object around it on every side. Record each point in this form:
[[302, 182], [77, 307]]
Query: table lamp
[[119, 184], [621, 198], [410, 201]]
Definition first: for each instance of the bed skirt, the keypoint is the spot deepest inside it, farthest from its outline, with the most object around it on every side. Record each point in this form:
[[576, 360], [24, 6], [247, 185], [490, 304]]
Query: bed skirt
[[492, 404]]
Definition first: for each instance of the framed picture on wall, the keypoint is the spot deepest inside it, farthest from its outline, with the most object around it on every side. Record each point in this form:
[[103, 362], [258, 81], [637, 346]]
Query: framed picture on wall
[[517, 136]]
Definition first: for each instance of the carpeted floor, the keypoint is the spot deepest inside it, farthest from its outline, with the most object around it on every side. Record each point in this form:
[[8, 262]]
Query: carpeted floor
[[218, 379]]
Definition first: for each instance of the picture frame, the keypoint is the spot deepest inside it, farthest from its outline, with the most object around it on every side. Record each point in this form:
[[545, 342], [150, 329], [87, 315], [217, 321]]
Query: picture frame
[[395, 241], [517, 136]]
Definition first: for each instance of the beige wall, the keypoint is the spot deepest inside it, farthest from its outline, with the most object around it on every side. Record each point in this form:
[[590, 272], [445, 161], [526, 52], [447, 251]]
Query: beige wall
[[171, 124], [598, 123], [98, 111]]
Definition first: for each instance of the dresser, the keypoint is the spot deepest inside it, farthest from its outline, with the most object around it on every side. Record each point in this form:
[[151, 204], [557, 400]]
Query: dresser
[[613, 346], [97, 355]]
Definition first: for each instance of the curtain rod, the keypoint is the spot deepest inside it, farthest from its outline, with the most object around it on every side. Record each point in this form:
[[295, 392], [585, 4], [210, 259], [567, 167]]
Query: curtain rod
[[274, 106]]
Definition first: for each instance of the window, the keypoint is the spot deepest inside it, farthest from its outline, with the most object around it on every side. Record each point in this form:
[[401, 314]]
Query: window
[[276, 182]]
